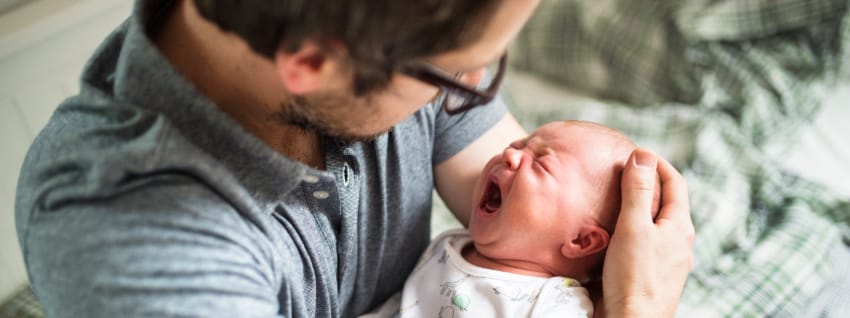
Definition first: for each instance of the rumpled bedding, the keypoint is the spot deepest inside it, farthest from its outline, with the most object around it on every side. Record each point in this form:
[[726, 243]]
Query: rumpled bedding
[[722, 89]]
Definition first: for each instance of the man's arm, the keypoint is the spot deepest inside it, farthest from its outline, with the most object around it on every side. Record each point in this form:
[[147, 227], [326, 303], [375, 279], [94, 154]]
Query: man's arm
[[455, 177], [164, 255]]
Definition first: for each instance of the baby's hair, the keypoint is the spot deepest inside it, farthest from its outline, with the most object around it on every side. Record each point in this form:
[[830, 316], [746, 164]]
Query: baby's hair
[[620, 149], [609, 207]]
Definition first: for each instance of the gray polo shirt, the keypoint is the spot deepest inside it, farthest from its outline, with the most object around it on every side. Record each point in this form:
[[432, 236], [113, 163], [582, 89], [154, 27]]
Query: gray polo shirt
[[141, 198]]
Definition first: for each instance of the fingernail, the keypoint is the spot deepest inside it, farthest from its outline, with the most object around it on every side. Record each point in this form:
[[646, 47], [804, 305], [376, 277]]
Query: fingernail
[[644, 159]]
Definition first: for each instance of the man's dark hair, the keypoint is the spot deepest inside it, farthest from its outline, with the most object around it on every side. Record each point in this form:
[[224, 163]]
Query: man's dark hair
[[377, 34]]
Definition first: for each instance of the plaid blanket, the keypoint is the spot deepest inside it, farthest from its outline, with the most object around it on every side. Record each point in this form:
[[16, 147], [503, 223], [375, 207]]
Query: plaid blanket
[[21, 304], [721, 88]]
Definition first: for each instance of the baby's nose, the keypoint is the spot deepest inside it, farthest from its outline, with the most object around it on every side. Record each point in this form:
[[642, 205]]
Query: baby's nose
[[512, 157]]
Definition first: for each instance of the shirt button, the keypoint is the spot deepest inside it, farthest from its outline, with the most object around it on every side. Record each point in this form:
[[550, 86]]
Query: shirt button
[[309, 178], [321, 195]]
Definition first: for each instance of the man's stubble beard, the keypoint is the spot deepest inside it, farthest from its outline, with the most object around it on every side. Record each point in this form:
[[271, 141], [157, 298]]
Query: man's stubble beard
[[306, 113]]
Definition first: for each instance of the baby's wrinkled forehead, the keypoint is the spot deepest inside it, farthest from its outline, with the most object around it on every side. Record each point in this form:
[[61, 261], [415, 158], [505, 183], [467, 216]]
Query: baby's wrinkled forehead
[[607, 146]]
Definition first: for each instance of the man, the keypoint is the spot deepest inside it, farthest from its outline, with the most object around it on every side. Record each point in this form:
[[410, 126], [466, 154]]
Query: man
[[246, 158]]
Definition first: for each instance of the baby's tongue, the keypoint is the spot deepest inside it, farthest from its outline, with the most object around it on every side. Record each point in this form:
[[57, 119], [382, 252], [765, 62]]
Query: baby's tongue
[[493, 203]]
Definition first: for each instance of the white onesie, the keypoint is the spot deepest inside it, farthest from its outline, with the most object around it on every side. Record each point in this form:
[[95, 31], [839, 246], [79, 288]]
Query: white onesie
[[443, 284]]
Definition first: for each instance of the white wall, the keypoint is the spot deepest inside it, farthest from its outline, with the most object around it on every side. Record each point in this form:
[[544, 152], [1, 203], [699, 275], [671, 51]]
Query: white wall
[[43, 47]]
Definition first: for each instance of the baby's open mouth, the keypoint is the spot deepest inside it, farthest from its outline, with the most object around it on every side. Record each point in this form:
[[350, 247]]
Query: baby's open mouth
[[491, 201]]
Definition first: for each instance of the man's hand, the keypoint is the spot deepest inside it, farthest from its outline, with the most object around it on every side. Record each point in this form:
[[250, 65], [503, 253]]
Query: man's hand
[[648, 262]]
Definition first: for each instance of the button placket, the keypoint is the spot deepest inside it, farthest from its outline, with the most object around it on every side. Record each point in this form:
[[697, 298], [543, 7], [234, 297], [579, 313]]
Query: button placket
[[321, 195], [309, 178], [314, 186], [346, 174]]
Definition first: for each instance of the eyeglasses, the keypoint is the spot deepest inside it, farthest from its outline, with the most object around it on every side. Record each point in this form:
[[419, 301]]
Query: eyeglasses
[[458, 97]]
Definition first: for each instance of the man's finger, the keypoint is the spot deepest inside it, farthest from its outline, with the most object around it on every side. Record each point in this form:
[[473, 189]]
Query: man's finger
[[674, 196], [638, 187]]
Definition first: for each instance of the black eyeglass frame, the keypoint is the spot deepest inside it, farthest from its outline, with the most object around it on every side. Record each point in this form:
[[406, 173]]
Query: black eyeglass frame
[[449, 85]]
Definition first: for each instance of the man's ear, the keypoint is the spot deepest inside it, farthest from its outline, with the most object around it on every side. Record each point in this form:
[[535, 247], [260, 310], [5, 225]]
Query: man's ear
[[306, 70], [590, 240]]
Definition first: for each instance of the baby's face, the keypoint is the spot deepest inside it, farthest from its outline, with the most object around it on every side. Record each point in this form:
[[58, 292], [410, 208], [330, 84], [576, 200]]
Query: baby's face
[[536, 194]]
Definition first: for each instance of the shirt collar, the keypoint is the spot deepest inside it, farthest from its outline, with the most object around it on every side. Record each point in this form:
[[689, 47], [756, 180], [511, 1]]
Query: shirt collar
[[144, 78]]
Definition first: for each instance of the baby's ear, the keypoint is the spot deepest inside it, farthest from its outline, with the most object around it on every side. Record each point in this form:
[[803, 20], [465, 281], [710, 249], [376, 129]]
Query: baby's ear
[[591, 239]]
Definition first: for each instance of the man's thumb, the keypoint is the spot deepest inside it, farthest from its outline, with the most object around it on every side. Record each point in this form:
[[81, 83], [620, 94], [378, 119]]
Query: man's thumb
[[638, 186]]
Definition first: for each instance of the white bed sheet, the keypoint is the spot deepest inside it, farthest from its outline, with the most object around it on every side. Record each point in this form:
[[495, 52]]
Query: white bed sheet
[[822, 153]]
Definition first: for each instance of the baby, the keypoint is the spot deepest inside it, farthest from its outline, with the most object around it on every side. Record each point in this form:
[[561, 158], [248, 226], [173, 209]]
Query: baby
[[544, 212]]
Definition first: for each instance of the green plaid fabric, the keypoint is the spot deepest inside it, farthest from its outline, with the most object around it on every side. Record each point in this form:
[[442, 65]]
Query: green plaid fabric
[[722, 88], [749, 19], [22, 304], [618, 50], [652, 51], [766, 237]]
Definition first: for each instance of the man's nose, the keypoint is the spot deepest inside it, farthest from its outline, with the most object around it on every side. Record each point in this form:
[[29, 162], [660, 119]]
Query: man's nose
[[473, 78], [512, 157]]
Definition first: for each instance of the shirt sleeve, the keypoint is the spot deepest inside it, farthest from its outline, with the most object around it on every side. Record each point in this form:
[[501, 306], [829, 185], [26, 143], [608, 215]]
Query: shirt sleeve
[[174, 251], [454, 132]]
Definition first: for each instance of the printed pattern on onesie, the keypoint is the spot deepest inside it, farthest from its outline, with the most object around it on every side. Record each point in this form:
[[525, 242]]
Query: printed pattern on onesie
[[447, 286]]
